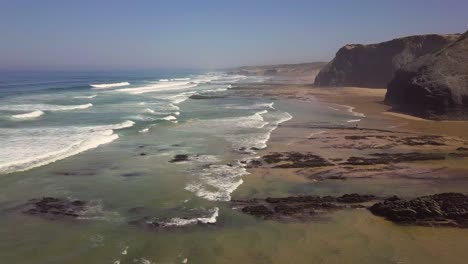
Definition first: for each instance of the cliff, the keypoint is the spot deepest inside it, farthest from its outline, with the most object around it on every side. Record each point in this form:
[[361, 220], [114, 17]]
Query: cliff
[[434, 86], [285, 70], [374, 65]]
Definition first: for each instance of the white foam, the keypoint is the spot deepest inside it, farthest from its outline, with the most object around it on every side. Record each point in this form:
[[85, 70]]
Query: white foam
[[27, 148], [221, 89], [158, 87], [145, 261], [85, 97], [180, 79], [150, 111], [350, 109], [30, 115], [179, 98], [163, 80], [257, 140], [144, 130], [109, 85], [254, 106], [353, 120], [96, 212], [217, 182], [168, 118], [43, 107], [185, 261], [316, 133], [176, 221], [125, 251]]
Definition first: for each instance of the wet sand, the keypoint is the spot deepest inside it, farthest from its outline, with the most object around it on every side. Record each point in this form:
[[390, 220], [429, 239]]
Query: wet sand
[[406, 179], [356, 235]]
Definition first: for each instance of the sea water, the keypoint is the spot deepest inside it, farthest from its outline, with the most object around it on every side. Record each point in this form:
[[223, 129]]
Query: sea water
[[108, 139]]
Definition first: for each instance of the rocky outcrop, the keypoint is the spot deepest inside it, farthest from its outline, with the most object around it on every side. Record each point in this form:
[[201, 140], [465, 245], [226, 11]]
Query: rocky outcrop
[[445, 209], [374, 65], [300, 207], [434, 86], [292, 70], [55, 208]]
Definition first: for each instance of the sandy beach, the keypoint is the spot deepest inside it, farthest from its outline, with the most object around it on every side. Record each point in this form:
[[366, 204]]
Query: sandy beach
[[378, 130]]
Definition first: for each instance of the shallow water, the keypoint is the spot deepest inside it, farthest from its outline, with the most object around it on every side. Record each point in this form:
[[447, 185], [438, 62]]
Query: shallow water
[[105, 166]]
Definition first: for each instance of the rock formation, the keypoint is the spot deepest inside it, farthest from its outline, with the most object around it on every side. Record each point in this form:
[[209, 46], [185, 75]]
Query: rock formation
[[374, 65], [285, 70], [434, 86]]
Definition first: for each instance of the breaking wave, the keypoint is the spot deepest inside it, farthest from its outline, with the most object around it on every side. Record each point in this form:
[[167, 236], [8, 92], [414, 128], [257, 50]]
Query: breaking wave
[[43, 107], [109, 85], [25, 149], [30, 115]]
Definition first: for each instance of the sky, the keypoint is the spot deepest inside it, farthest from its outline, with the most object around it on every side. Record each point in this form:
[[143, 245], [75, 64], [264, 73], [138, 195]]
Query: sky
[[201, 34]]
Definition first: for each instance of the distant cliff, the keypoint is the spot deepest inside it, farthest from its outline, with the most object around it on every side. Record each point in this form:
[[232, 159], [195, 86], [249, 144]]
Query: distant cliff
[[286, 70], [434, 86], [374, 65]]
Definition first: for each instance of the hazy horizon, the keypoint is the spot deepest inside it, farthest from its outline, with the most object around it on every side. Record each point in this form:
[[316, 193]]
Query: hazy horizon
[[54, 35]]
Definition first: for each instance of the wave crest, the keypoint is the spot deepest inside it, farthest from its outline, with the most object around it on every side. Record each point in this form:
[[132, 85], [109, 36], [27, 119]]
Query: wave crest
[[30, 115], [109, 85]]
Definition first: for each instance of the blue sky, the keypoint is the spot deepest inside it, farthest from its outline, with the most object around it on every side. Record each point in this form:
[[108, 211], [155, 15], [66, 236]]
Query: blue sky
[[106, 35]]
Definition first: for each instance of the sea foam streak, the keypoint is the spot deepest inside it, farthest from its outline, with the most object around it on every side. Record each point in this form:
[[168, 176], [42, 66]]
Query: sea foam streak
[[176, 221], [24, 149], [158, 87], [217, 182], [168, 118], [109, 85], [353, 120], [85, 97], [44, 107], [31, 115]]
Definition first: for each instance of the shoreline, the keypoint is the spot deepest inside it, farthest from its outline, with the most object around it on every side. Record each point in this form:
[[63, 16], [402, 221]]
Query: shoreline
[[333, 148]]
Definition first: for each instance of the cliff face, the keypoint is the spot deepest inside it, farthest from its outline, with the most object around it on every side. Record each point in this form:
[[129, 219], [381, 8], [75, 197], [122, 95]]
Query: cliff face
[[434, 86], [374, 65], [286, 70]]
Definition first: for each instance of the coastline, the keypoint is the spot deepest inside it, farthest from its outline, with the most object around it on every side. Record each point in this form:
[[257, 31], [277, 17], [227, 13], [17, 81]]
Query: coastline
[[297, 135]]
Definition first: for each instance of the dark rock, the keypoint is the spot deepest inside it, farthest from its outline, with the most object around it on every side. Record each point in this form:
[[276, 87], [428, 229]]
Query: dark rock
[[55, 208], [294, 160], [429, 140], [355, 198], [258, 210], [202, 97], [299, 207], [386, 158], [132, 174], [180, 158], [434, 86], [445, 209], [458, 155], [374, 65], [143, 154]]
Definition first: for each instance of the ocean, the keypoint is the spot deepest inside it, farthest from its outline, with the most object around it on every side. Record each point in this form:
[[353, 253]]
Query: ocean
[[109, 139]]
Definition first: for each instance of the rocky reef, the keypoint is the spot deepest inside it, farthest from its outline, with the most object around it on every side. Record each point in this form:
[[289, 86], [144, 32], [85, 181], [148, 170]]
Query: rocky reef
[[445, 209], [56, 208], [299, 207], [373, 65], [434, 86]]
